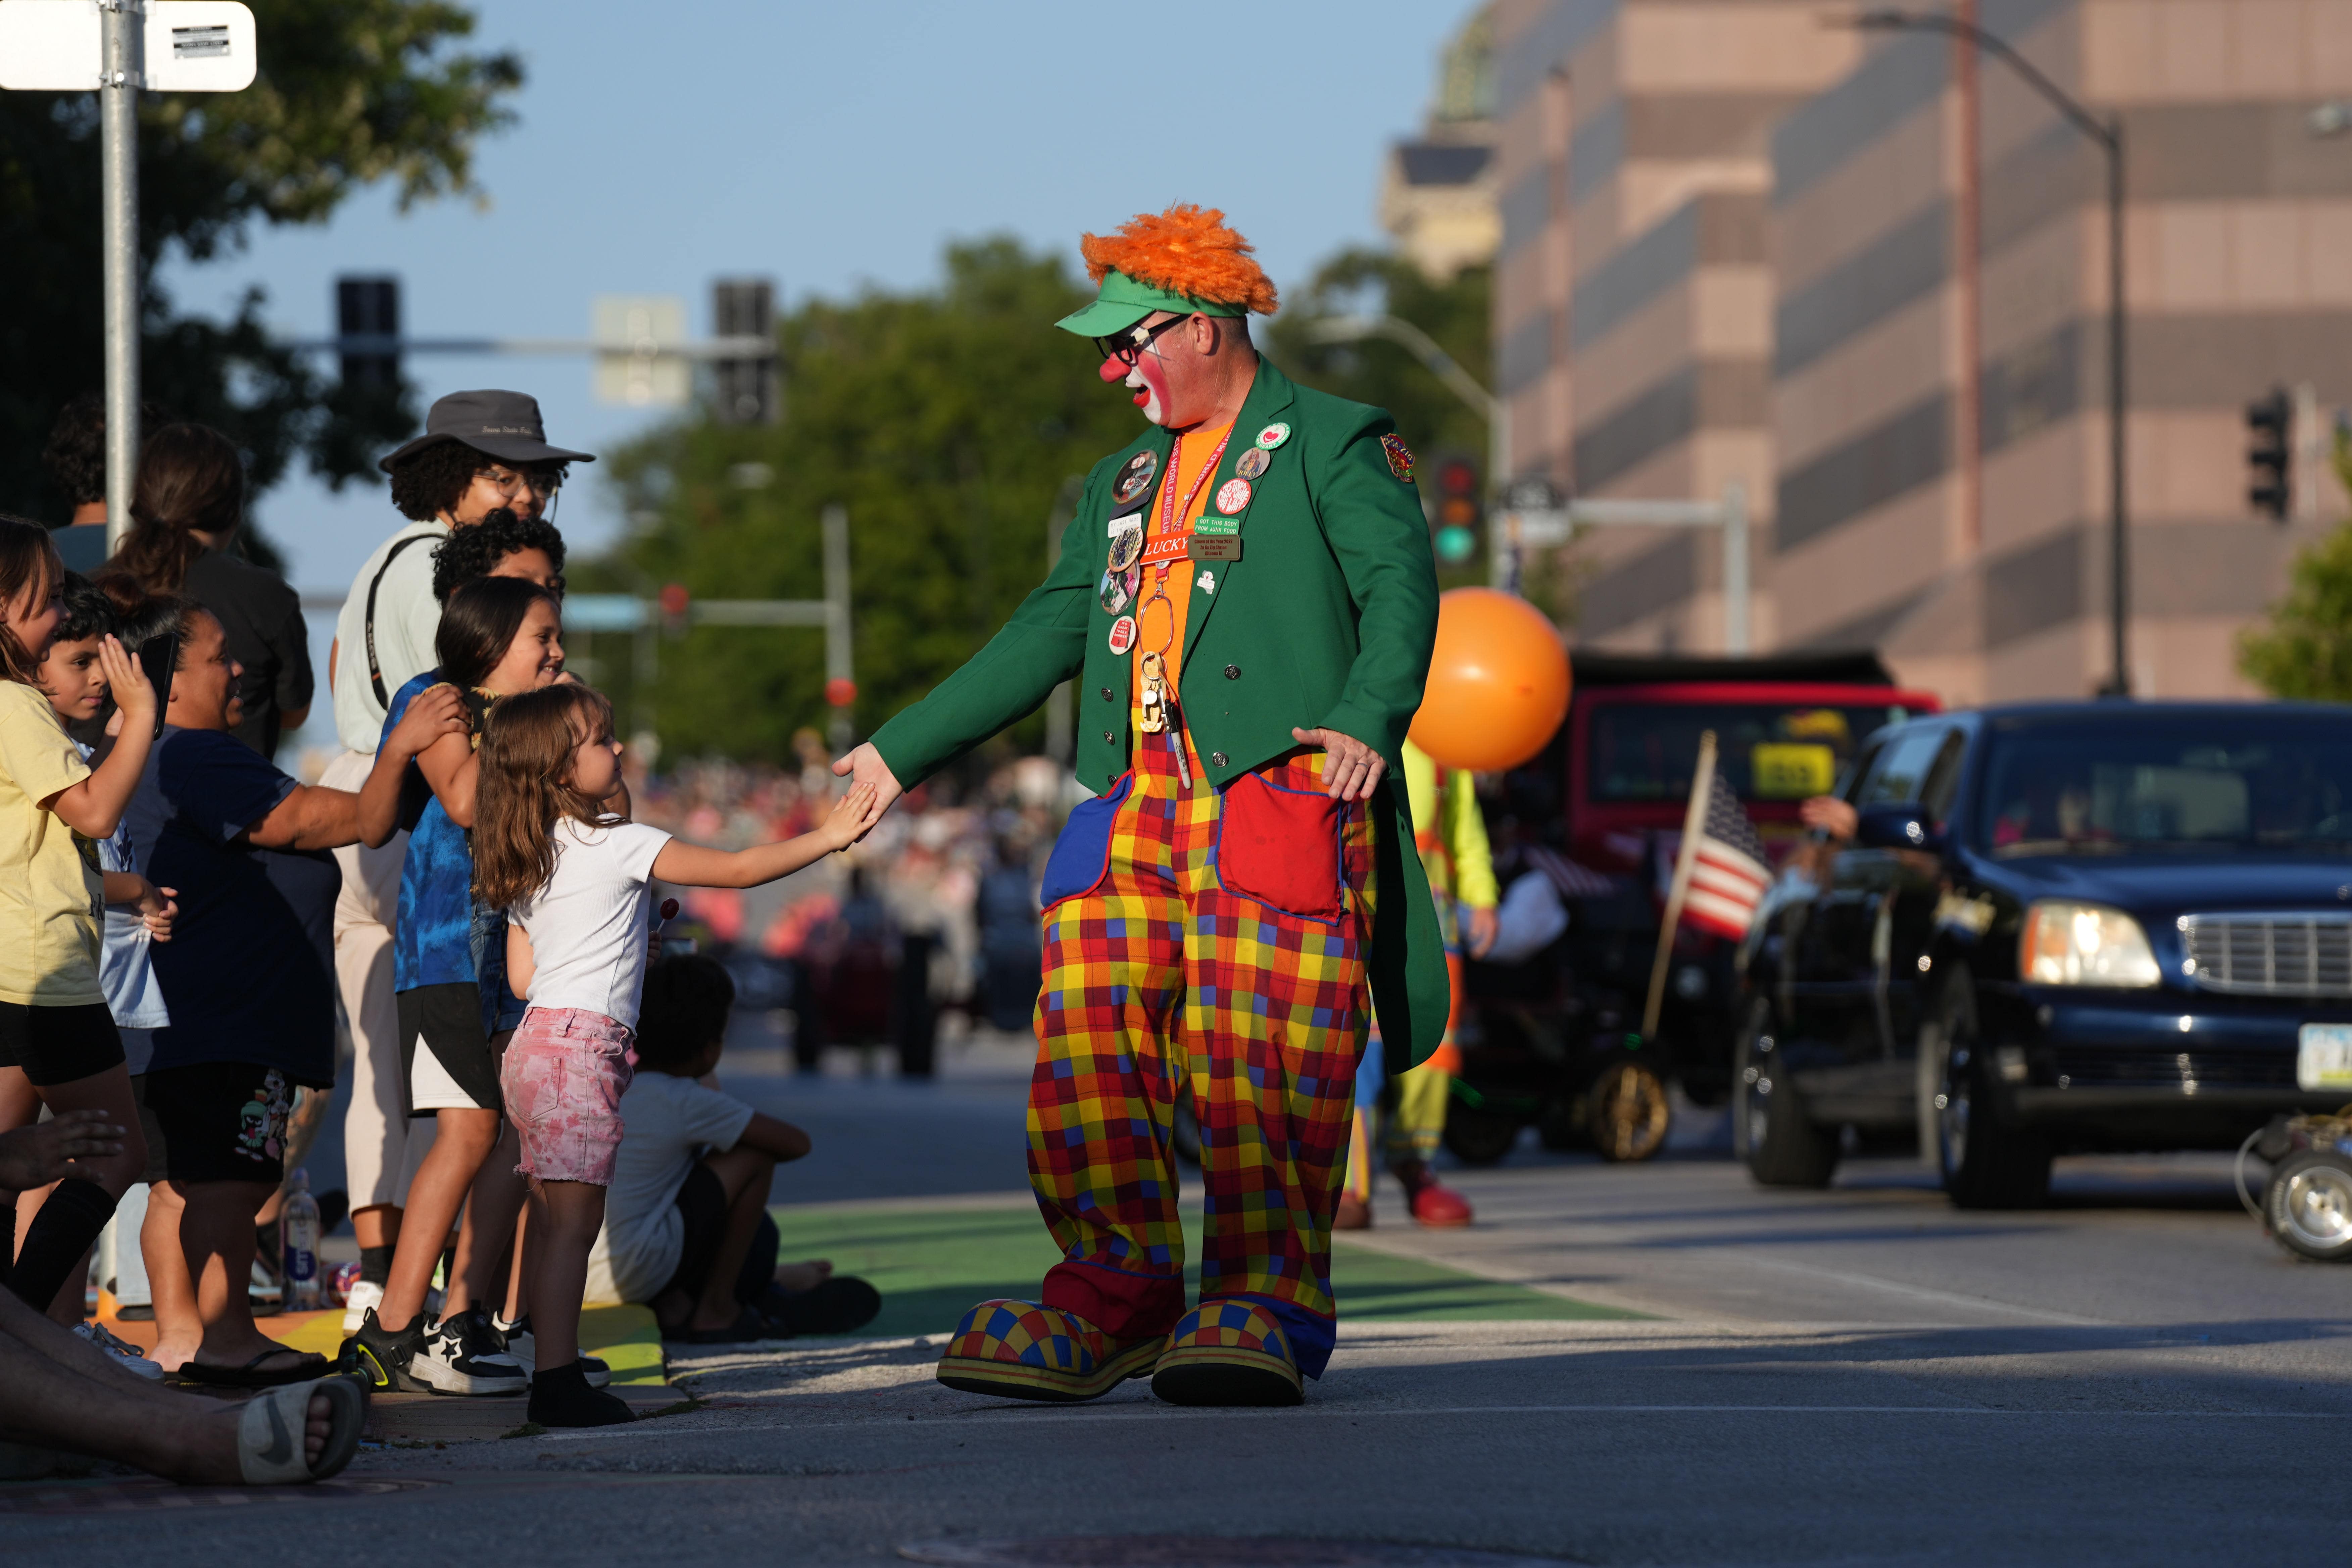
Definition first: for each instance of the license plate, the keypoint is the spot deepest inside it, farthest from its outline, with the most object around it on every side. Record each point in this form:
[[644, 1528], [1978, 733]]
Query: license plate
[[2324, 1060]]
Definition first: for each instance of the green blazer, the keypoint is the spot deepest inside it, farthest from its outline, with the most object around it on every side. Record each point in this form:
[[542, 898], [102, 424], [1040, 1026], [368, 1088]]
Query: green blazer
[[1326, 621]]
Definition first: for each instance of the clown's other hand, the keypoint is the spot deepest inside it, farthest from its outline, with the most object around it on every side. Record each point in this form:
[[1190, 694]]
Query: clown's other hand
[[1352, 770]]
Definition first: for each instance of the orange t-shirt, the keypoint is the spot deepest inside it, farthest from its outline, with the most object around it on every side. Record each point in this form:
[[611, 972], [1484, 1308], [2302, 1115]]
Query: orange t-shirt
[[1188, 469]]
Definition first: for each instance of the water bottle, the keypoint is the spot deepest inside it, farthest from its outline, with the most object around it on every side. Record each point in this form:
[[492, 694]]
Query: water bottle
[[299, 1226]]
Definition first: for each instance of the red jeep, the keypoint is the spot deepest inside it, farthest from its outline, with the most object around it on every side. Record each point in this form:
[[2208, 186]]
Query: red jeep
[[1555, 1040]]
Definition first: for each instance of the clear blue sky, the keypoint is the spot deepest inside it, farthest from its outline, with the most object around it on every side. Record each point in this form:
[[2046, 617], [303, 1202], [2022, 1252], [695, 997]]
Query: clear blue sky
[[832, 147]]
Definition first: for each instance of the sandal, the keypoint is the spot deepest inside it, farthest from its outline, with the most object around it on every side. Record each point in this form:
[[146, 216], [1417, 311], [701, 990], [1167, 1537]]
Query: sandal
[[842, 1303], [307, 1366], [748, 1326], [271, 1432]]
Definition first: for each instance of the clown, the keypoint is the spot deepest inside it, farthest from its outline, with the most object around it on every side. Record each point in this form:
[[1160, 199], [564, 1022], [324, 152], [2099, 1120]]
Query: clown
[[1247, 601]]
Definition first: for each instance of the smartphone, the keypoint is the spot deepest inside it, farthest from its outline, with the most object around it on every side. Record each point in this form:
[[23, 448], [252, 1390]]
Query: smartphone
[[158, 657]]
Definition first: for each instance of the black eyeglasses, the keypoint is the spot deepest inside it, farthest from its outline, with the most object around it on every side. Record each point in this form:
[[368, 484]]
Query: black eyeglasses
[[1128, 347]]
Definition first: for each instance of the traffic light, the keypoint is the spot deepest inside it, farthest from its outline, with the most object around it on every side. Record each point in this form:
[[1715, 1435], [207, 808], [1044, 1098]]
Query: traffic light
[[369, 308], [746, 390], [1461, 510], [2270, 455]]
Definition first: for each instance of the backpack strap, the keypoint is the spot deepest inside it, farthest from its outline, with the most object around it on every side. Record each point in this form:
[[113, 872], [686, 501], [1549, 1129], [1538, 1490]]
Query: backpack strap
[[375, 671]]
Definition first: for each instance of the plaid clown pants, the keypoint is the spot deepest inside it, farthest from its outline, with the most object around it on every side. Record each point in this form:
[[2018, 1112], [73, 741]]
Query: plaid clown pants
[[1209, 942]]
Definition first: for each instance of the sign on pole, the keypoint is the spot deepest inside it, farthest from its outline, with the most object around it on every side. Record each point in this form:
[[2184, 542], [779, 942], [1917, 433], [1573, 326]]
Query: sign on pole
[[191, 46], [636, 338], [116, 50]]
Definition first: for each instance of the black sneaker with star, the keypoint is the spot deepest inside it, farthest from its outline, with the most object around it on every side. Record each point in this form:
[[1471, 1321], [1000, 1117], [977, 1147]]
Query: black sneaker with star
[[381, 1358]]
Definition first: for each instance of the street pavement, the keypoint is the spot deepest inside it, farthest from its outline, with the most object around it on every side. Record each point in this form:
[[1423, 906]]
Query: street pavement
[[2132, 1374]]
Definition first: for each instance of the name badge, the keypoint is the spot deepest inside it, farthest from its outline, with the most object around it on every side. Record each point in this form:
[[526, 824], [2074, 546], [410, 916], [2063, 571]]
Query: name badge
[[1216, 547], [1170, 547]]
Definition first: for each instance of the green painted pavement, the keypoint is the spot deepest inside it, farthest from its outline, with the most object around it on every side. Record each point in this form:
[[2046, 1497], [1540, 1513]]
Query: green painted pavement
[[932, 1264]]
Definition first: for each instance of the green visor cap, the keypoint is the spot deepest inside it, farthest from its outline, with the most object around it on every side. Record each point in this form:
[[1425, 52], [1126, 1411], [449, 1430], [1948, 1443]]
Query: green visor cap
[[1125, 301]]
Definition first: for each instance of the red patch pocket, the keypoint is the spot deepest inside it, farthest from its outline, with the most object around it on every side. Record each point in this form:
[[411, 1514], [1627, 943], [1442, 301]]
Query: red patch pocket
[[1081, 857], [1280, 846]]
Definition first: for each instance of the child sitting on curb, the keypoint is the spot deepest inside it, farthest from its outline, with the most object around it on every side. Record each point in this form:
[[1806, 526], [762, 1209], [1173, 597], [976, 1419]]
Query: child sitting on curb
[[687, 1228]]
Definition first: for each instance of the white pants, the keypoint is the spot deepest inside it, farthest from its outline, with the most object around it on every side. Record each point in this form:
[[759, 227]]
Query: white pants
[[381, 1147]]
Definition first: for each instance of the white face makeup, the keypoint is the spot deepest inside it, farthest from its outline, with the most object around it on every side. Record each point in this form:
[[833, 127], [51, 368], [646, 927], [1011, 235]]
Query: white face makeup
[[1148, 379]]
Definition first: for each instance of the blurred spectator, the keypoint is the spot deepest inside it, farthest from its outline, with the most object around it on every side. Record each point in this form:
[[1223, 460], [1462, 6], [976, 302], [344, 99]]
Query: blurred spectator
[[1012, 952], [75, 458], [184, 516]]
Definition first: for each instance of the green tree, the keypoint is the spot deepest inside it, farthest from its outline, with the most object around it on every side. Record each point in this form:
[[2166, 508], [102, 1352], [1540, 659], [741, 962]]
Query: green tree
[[1430, 417], [946, 421], [2305, 649], [349, 92]]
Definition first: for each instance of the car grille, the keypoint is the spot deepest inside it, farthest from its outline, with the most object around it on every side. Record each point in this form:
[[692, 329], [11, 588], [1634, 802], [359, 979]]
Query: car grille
[[2270, 955], [2099, 1068]]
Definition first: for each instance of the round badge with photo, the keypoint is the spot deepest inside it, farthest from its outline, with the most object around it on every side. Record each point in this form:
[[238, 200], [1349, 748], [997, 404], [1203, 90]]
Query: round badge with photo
[[1252, 462], [1135, 477], [1114, 594], [1126, 544]]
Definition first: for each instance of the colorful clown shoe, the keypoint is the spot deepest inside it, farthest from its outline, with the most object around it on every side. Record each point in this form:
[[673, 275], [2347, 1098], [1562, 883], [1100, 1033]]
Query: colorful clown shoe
[[1019, 1349], [1228, 1352]]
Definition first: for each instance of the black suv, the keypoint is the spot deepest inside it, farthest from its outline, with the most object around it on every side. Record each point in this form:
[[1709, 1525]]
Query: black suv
[[2063, 927]]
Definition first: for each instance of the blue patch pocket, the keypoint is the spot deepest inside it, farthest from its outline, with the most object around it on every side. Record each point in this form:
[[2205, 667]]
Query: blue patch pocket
[[1081, 857]]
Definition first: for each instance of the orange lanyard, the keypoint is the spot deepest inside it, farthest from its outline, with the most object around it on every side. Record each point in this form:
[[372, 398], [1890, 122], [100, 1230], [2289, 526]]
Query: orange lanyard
[[1171, 514]]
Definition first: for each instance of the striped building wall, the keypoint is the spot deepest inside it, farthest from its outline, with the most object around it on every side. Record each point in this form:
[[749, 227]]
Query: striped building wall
[[1956, 521]]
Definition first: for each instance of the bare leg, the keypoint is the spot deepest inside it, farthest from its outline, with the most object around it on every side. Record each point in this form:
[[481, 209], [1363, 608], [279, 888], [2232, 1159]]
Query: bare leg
[[745, 1173], [179, 1328], [61, 1391], [216, 1233], [108, 1092], [526, 1260], [465, 1138], [495, 1198], [569, 1215]]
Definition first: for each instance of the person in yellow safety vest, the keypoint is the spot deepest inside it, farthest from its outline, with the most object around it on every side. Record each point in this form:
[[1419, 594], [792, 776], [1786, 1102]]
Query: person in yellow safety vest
[[1452, 838]]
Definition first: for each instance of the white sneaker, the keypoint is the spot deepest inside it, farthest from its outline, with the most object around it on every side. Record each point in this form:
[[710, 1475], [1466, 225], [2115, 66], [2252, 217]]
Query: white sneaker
[[462, 1356], [365, 1294], [124, 1353]]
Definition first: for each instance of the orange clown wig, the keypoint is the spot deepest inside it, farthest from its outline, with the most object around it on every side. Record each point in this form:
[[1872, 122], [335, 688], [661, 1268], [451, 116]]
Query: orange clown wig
[[1187, 250]]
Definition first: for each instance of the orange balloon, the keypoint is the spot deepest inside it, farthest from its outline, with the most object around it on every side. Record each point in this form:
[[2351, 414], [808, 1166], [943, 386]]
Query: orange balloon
[[1497, 682]]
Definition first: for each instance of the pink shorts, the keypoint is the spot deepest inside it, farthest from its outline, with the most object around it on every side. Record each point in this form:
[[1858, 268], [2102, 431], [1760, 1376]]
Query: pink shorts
[[564, 1073]]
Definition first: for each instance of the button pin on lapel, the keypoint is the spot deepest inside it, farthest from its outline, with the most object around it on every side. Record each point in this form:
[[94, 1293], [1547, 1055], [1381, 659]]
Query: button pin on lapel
[[1208, 583]]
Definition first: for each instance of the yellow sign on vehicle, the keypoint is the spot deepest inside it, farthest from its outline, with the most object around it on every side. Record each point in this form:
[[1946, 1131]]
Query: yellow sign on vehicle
[[1790, 770]]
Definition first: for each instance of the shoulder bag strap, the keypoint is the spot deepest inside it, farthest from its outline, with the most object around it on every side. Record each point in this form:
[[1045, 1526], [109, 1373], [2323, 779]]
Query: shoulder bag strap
[[375, 671]]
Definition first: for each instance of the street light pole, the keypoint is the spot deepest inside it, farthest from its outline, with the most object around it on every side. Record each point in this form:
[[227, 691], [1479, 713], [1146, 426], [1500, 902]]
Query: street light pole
[[121, 25], [2108, 134], [1423, 347]]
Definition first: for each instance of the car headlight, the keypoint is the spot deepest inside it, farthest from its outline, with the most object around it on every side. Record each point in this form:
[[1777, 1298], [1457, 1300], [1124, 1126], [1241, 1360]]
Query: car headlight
[[2067, 943]]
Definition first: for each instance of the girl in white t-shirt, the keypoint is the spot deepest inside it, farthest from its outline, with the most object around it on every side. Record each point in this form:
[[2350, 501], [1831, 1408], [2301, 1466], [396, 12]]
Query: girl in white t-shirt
[[576, 883]]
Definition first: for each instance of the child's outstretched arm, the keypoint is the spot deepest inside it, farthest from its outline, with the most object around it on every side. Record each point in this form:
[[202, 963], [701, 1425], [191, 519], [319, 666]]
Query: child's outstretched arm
[[693, 865], [314, 817]]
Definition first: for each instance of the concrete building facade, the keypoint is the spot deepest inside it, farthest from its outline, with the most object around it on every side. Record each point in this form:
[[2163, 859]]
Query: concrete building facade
[[1739, 244]]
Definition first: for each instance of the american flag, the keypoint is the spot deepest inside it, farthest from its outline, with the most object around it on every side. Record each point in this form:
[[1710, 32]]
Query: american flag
[[1729, 873]]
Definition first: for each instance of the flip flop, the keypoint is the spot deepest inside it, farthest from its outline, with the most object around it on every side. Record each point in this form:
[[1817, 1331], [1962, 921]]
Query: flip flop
[[842, 1303], [272, 1429], [250, 1375]]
